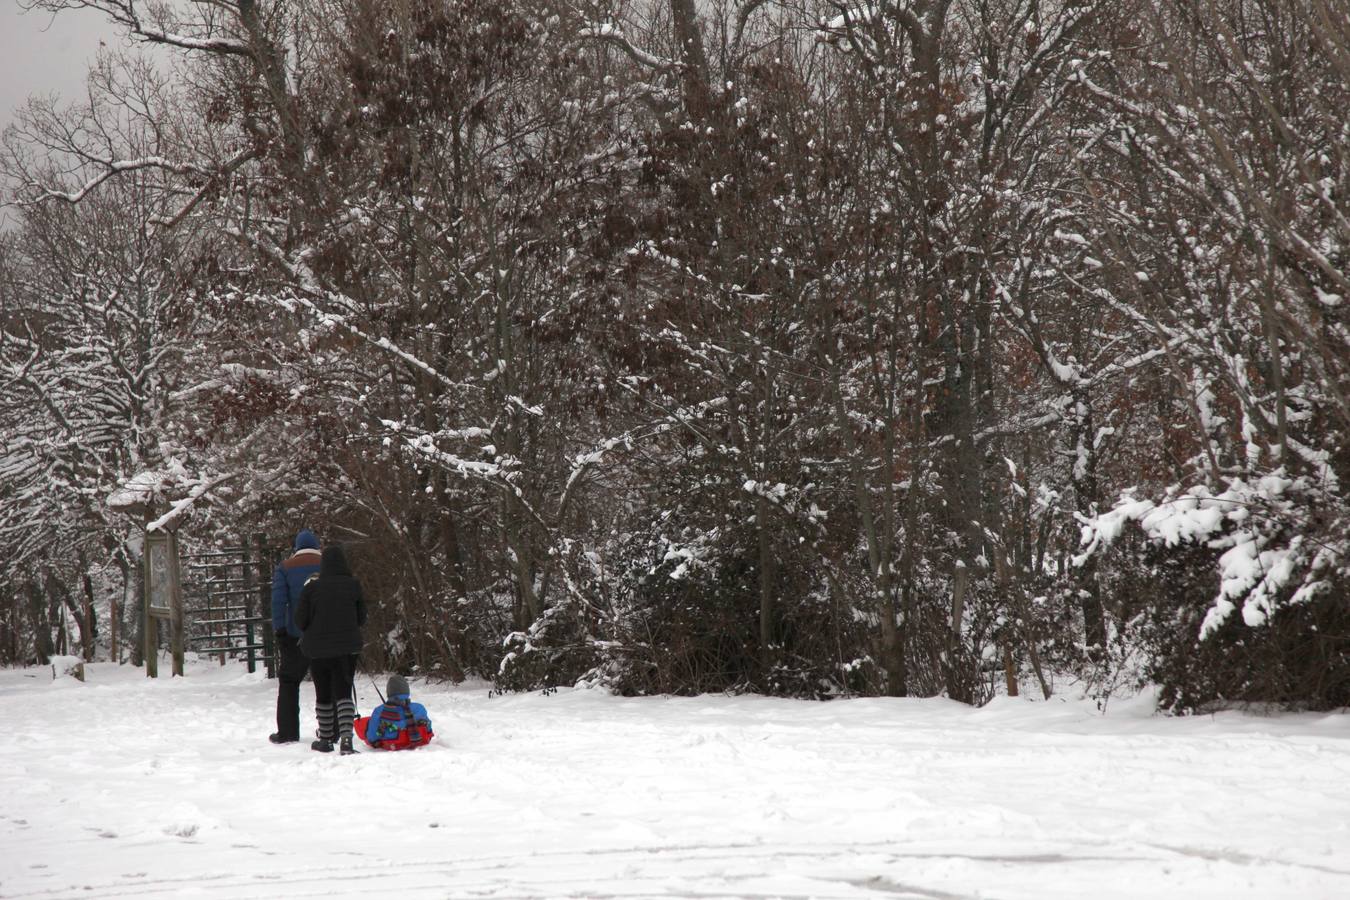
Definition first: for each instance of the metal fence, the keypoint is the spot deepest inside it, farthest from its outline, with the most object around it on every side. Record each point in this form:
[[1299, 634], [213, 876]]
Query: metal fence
[[227, 600]]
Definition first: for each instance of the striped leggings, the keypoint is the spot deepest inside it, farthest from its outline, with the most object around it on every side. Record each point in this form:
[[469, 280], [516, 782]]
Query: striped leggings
[[333, 702]]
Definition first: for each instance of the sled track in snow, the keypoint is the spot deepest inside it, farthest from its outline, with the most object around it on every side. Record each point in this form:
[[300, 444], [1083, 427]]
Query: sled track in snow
[[554, 873]]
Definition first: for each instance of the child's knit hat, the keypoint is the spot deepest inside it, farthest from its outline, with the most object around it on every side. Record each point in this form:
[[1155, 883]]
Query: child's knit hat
[[397, 687]]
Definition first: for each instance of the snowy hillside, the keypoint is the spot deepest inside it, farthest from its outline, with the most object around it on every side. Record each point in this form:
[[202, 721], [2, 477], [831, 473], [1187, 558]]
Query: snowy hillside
[[125, 787]]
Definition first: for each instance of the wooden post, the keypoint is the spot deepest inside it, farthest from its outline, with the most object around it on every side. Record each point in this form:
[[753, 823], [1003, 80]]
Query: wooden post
[[163, 599], [115, 621], [150, 631], [175, 606]]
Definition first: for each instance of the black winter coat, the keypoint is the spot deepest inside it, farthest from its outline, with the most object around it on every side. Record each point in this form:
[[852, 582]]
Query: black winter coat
[[331, 609]]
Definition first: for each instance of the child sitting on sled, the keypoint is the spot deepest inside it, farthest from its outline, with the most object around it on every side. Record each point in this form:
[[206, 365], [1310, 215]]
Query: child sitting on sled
[[397, 723]]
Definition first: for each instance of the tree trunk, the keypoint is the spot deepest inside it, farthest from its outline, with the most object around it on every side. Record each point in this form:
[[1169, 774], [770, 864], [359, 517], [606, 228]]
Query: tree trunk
[[693, 60], [42, 629], [137, 611], [1085, 489], [766, 578], [89, 635], [84, 614], [1009, 671], [878, 562], [1017, 599], [117, 611], [957, 688], [271, 64], [59, 601]]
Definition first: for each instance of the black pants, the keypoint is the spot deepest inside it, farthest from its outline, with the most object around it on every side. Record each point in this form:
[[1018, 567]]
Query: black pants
[[292, 665], [333, 703]]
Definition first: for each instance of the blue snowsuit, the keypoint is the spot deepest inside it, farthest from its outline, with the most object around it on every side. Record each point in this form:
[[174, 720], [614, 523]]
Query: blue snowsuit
[[396, 724]]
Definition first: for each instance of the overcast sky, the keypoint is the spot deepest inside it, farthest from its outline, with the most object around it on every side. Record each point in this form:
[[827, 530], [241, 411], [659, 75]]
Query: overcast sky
[[40, 54]]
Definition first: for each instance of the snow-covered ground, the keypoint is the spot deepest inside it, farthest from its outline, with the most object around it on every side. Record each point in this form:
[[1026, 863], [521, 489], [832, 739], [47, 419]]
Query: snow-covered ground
[[127, 787]]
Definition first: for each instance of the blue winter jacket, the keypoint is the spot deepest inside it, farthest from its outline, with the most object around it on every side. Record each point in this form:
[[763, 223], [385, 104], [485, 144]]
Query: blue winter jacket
[[389, 720], [289, 578]]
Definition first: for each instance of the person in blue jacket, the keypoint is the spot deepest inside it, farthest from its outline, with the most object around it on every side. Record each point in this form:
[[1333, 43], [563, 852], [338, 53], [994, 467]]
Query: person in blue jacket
[[292, 665], [397, 723]]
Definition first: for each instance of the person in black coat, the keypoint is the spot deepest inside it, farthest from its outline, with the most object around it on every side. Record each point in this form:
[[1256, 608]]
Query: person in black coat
[[330, 615]]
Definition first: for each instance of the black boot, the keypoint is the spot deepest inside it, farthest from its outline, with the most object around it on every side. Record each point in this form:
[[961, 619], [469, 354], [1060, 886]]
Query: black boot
[[323, 745], [346, 711], [276, 738]]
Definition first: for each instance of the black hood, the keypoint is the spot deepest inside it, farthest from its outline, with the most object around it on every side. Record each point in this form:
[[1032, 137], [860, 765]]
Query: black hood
[[333, 562]]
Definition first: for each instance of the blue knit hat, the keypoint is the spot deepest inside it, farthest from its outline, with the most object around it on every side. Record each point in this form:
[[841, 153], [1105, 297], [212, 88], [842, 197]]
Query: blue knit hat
[[306, 540]]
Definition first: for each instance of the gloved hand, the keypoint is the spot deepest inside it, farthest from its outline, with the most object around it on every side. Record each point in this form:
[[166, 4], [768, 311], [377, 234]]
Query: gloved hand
[[283, 637]]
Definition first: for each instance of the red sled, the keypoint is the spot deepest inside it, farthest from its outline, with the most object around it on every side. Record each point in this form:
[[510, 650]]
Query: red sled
[[408, 738]]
